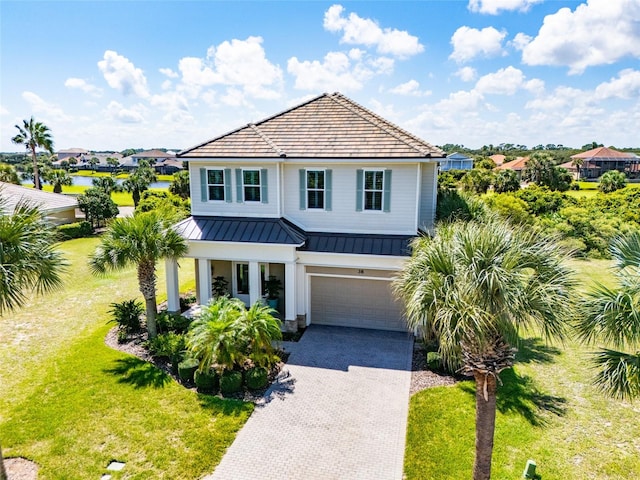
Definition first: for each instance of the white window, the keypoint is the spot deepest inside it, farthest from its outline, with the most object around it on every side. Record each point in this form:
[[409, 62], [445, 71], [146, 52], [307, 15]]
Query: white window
[[373, 189], [315, 189], [215, 185], [251, 185]]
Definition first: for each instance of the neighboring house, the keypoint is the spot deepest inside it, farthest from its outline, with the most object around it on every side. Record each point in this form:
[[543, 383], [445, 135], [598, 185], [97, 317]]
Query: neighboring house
[[77, 153], [456, 161], [518, 165], [602, 159], [58, 209], [498, 159], [163, 162], [325, 196]]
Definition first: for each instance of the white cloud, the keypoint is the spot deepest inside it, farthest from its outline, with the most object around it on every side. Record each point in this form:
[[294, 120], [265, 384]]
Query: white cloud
[[467, 74], [117, 111], [39, 105], [121, 74], [364, 31], [598, 32], [82, 84], [520, 41], [626, 86], [412, 87], [3, 111], [469, 43], [168, 73], [333, 73], [507, 81], [494, 7]]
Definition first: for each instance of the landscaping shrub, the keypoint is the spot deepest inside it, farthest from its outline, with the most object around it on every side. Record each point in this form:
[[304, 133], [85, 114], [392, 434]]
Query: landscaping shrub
[[167, 345], [172, 322], [230, 382], [256, 378], [207, 381], [434, 361], [127, 315], [186, 302], [187, 368], [75, 230]]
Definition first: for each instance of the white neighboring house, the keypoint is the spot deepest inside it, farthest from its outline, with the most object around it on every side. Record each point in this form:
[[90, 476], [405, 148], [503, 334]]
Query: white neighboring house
[[325, 196], [57, 209]]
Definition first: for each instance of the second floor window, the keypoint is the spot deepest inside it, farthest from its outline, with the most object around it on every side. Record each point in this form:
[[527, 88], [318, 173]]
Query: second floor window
[[315, 189], [373, 189], [215, 185], [251, 185]]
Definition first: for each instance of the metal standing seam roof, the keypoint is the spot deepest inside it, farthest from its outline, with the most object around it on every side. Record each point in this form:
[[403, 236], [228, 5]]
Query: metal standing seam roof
[[328, 126], [281, 231]]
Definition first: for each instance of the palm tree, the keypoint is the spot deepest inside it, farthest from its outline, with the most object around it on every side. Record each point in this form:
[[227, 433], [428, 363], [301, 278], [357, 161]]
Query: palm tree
[[611, 181], [29, 261], [577, 162], [113, 163], [180, 184], [141, 240], [139, 181], [93, 161], [108, 184], [258, 329], [34, 135], [475, 287], [58, 178], [613, 316], [8, 174]]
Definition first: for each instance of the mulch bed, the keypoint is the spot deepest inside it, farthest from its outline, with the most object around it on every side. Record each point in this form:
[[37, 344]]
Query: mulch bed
[[21, 469], [423, 378]]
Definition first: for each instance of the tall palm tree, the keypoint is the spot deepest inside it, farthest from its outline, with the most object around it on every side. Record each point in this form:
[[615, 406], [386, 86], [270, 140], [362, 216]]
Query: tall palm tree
[[34, 135], [613, 316], [475, 287], [180, 184], [108, 184], [58, 178], [139, 181], [141, 240], [28, 260]]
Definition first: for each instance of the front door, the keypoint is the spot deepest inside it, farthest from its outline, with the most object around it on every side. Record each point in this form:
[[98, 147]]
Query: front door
[[241, 282]]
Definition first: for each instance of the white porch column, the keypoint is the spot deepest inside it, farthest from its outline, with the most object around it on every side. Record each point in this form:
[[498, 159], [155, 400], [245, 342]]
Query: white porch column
[[301, 296], [255, 287], [173, 289], [204, 281], [290, 291]]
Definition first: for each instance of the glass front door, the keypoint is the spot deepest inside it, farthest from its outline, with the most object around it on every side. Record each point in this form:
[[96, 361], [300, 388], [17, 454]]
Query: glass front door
[[241, 282]]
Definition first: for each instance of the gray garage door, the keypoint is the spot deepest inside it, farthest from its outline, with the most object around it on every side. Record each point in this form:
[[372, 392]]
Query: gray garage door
[[355, 302]]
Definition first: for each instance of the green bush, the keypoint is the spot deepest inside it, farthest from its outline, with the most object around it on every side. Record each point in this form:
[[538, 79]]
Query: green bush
[[127, 315], [167, 345], [207, 381], [75, 230], [434, 361], [172, 322], [186, 302], [256, 378], [230, 382], [187, 368]]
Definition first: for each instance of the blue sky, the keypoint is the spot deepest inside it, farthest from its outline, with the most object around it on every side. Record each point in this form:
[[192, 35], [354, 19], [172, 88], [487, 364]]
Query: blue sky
[[144, 74]]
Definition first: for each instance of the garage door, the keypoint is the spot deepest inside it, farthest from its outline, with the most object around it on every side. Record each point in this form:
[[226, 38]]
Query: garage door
[[355, 302]]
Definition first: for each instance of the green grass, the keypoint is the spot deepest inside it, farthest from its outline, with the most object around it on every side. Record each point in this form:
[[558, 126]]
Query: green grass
[[122, 199], [590, 189], [548, 411], [72, 404]]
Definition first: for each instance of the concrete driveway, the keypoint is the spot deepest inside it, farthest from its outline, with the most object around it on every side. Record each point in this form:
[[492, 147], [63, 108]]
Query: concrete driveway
[[339, 411]]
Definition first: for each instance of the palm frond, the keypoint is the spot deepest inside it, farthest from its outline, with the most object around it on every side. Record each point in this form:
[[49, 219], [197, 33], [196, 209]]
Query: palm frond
[[619, 373]]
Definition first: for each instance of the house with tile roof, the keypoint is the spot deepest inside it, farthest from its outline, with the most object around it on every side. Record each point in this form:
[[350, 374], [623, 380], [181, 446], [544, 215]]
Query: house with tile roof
[[518, 165], [593, 163], [56, 208], [325, 197]]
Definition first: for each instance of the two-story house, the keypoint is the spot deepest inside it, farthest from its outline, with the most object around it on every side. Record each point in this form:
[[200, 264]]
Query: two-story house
[[325, 196]]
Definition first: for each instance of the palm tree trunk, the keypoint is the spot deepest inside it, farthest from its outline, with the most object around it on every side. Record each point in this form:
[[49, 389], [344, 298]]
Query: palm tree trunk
[[3, 472], [36, 173], [485, 424], [147, 284]]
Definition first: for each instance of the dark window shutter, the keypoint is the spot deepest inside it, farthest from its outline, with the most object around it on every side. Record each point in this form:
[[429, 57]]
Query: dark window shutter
[[359, 189], [303, 189], [327, 190], [227, 185], [239, 193], [387, 191], [203, 185], [264, 185]]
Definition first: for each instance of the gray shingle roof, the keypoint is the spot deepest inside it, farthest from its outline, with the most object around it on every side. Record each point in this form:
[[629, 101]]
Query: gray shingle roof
[[282, 232], [48, 202], [328, 126]]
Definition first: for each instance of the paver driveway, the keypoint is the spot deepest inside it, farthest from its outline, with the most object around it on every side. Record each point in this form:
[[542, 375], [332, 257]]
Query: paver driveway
[[340, 414]]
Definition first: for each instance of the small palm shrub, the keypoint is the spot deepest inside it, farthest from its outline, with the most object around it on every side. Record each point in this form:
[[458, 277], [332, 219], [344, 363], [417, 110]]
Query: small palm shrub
[[256, 378], [230, 381], [127, 315], [187, 368], [207, 381], [172, 322], [168, 345]]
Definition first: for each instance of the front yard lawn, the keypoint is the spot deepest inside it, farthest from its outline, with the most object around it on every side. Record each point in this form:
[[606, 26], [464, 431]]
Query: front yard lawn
[[548, 411], [72, 404]]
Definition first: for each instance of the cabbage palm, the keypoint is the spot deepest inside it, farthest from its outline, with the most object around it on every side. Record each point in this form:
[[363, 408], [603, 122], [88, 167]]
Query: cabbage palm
[[259, 328], [613, 316], [141, 240], [139, 181], [58, 178], [108, 184], [34, 135], [476, 287]]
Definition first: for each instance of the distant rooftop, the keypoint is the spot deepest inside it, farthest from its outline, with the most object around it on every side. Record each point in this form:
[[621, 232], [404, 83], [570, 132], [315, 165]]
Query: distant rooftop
[[47, 201]]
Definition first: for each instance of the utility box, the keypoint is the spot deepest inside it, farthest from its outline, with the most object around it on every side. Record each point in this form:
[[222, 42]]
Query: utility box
[[529, 470]]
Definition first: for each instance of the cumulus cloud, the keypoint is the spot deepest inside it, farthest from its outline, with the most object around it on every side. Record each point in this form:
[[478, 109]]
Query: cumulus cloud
[[507, 81], [333, 73], [168, 73], [121, 74], [467, 74], [412, 88], [626, 85], [365, 31], [39, 105], [117, 111], [494, 7], [598, 32], [469, 43], [3, 111], [82, 84]]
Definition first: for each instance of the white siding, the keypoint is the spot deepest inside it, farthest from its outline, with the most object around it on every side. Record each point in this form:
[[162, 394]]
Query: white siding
[[234, 208], [343, 217], [428, 190]]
